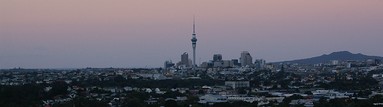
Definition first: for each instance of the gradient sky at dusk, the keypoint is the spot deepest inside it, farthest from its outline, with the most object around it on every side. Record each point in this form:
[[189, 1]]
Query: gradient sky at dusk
[[145, 33]]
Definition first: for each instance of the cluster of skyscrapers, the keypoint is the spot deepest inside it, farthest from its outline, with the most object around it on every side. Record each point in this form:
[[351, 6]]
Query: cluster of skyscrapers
[[245, 59]]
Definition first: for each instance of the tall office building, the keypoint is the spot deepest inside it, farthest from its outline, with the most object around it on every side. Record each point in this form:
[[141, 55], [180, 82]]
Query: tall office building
[[168, 64], [194, 43], [217, 57], [185, 59], [259, 63], [235, 62], [246, 59]]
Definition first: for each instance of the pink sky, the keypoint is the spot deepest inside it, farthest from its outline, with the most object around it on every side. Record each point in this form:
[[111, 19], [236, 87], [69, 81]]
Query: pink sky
[[145, 33]]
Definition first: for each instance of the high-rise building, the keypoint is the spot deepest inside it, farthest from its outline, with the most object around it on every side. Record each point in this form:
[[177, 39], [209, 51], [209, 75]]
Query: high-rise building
[[185, 59], [227, 63], [168, 64], [194, 43], [246, 59], [235, 62], [217, 57], [260, 63]]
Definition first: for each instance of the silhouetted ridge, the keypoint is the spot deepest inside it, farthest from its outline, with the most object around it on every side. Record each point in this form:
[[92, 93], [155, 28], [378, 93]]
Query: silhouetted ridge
[[340, 55]]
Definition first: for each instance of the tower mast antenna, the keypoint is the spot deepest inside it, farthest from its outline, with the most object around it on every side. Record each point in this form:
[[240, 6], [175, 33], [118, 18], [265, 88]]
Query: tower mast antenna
[[193, 24], [194, 43]]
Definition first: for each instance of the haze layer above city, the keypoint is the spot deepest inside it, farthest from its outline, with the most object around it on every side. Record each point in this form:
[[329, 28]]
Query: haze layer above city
[[133, 33]]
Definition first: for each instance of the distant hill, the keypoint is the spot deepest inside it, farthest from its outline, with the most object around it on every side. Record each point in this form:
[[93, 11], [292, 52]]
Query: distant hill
[[341, 55]]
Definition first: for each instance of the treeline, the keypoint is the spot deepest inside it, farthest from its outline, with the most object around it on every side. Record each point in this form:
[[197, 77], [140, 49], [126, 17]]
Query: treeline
[[21, 96]]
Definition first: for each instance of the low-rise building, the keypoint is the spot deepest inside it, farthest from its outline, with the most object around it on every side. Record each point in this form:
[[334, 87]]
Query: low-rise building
[[237, 84], [211, 99]]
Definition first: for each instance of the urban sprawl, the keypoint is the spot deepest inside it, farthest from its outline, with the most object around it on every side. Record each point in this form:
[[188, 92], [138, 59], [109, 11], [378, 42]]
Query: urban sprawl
[[215, 83]]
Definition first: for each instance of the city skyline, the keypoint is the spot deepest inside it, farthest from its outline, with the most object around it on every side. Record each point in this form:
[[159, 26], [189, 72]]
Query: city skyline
[[78, 34]]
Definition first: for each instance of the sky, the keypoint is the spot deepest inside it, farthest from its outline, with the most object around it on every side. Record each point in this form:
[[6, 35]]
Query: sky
[[145, 33]]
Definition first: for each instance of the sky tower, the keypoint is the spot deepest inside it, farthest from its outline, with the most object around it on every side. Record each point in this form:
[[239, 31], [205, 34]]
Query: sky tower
[[194, 43]]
